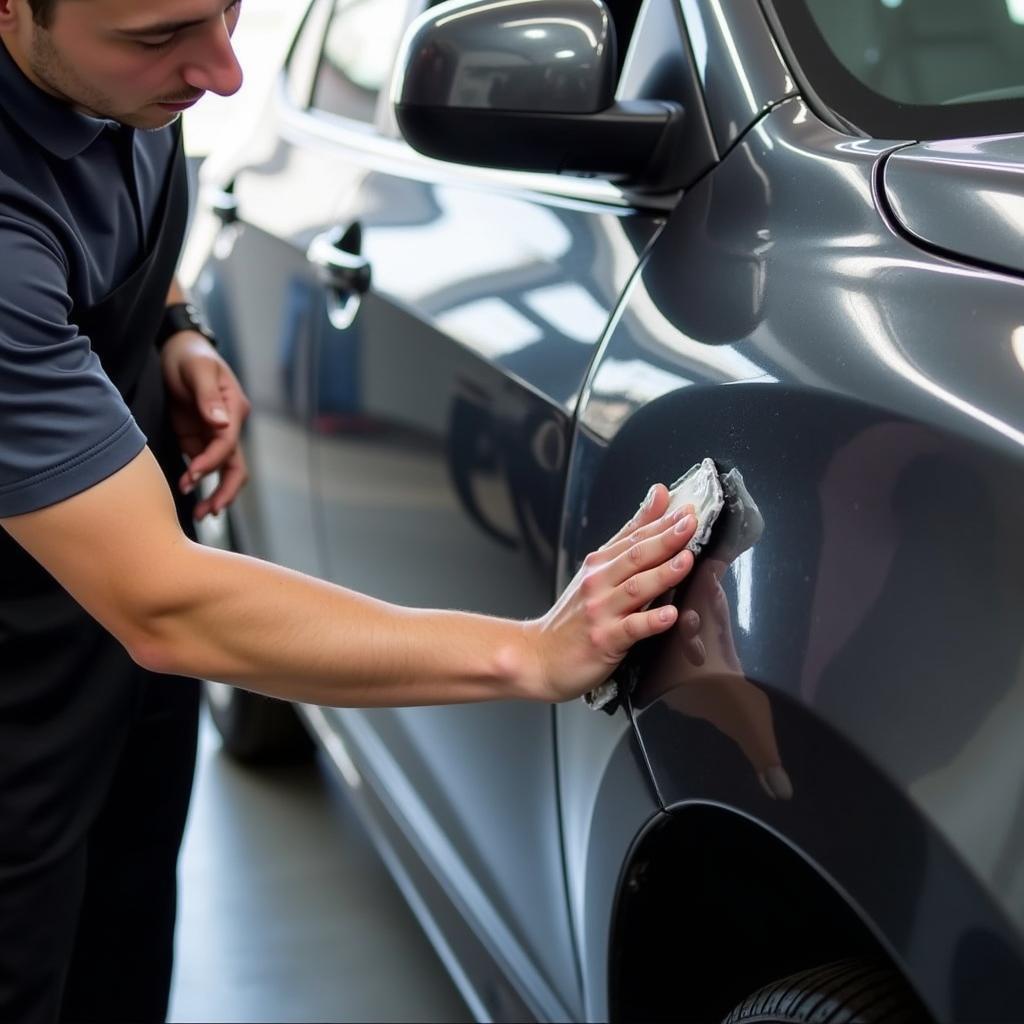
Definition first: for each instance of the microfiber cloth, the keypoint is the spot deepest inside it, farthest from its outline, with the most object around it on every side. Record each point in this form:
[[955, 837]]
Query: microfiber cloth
[[700, 487]]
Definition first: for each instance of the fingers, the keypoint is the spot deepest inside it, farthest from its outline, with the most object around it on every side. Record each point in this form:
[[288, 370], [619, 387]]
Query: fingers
[[234, 473], [225, 436], [614, 548], [207, 382], [640, 626], [652, 508], [617, 594], [651, 549], [215, 455], [639, 590]]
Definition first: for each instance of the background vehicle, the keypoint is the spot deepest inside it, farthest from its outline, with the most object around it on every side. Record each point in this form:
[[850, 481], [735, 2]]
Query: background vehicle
[[464, 377]]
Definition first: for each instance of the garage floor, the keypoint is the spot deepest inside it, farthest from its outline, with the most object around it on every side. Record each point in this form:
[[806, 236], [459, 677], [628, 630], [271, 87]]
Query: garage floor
[[286, 911]]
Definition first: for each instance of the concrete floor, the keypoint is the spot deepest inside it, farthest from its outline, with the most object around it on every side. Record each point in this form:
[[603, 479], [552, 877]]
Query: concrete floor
[[286, 911]]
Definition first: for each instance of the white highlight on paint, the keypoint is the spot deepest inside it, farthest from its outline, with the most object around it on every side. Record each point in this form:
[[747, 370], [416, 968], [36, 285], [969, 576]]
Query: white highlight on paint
[[571, 309], [333, 744], [1017, 341], [491, 326], [743, 574]]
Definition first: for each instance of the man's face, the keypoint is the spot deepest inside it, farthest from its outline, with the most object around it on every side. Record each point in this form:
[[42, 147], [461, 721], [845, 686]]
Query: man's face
[[140, 62]]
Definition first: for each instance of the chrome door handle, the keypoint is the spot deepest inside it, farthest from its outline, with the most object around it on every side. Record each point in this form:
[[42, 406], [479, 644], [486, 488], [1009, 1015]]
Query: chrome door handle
[[224, 203], [342, 270], [335, 255]]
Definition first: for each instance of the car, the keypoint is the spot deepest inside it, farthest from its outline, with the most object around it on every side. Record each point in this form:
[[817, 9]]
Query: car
[[487, 271]]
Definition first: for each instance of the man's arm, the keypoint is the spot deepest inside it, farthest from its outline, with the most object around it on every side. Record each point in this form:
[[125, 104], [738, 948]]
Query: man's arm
[[182, 608]]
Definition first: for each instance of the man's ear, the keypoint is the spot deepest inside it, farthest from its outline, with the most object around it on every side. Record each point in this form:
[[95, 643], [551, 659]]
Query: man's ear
[[9, 12]]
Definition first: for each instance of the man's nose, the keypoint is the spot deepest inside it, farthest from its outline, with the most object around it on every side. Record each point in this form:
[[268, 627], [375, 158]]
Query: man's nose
[[213, 66]]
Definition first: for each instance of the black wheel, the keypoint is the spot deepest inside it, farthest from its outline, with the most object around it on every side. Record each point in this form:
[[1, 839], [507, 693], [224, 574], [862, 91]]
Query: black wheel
[[844, 992], [257, 729]]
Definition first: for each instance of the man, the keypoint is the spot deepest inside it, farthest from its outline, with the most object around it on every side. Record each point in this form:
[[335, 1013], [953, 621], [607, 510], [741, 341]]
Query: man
[[108, 610]]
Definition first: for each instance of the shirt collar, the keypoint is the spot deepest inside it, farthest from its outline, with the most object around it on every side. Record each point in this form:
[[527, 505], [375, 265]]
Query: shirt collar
[[51, 122]]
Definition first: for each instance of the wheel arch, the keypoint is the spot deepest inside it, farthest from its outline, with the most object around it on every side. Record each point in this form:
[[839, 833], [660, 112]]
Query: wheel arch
[[689, 939]]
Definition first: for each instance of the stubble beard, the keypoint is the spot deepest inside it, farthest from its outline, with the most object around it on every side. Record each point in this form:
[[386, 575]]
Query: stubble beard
[[54, 73]]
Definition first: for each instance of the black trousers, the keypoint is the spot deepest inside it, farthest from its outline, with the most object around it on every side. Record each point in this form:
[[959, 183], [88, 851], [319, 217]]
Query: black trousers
[[96, 766]]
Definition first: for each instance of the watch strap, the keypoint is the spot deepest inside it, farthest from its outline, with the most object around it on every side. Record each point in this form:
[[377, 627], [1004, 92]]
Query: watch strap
[[183, 316]]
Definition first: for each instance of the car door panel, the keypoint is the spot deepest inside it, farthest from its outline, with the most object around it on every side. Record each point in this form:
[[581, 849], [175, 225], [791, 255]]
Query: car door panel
[[442, 485], [262, 297]]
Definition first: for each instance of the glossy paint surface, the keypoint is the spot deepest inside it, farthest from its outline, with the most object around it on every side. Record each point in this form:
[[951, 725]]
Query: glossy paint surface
[[449, 454], [608, 801], [738, 63], [406, 428], [513, 55], [963, 195], [861, 681], [657, 67], [499, 401]]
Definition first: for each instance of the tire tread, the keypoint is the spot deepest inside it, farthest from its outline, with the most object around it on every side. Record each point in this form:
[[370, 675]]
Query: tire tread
[[851, 991]]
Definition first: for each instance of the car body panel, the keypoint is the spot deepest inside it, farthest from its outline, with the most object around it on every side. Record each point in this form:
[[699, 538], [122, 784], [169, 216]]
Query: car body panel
[[492, 304], [532, 353], [738, 63], [608, 801], [878, 426], [965, 196], [657, 67], [267, 321]]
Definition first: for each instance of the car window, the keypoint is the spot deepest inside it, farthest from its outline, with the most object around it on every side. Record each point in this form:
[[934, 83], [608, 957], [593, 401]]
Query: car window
[[912, 68], [305, 53], [356, 59]]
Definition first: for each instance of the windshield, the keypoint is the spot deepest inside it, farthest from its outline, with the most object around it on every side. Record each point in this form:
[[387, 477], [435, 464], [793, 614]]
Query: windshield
[[911, 69]]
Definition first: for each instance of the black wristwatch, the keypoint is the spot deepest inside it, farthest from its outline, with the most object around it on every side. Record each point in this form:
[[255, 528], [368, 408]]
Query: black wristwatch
[[183, 316]]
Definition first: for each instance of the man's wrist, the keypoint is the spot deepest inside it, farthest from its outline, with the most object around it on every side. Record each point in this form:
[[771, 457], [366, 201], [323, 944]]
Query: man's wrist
[[519, 662], [180, 317]]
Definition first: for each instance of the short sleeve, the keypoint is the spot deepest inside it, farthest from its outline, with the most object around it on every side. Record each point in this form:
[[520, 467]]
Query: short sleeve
[[63, 425]]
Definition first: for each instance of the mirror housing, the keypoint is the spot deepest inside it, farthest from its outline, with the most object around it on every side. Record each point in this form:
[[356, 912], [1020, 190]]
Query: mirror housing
[[525, 85]]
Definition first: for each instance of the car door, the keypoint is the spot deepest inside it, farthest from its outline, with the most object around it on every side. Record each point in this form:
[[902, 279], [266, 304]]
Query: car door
[[445, 398], [259, 208]]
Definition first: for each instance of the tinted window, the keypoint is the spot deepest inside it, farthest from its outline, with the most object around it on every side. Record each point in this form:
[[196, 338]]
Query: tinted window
[[302, 61], [912, 68], [356, 61]]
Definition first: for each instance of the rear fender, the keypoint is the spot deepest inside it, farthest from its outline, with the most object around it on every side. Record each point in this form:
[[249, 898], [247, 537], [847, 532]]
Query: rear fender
[[860, 689]]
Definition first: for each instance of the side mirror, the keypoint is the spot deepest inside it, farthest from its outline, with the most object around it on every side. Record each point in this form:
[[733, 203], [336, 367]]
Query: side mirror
[[526, 85]]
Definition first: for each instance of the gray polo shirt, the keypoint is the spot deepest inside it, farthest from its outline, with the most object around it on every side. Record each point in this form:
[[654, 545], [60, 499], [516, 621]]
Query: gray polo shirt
[[78, 198]]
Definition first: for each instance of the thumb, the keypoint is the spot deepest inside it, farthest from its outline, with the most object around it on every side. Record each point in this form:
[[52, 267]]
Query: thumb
[[204, 381]]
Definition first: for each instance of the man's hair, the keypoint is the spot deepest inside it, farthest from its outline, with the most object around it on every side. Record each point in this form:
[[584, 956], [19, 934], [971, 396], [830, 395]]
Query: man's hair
[[42, 11]]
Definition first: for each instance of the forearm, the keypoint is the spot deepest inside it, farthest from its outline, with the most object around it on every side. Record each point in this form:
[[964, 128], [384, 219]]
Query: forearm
[[184, 609], [268, 629]]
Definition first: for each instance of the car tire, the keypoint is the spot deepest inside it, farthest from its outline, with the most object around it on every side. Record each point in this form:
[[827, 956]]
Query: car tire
[[844, 992], [255, 729]]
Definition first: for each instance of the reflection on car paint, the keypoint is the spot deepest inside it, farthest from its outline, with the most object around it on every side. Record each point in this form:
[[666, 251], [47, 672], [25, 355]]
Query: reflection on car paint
[[696, 669]]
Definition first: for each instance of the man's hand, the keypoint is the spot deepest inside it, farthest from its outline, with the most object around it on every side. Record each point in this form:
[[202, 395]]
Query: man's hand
[[208, 408], [602, 612]]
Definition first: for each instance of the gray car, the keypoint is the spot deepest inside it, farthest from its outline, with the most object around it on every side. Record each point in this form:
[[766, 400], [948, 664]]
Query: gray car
[[489, 270]]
